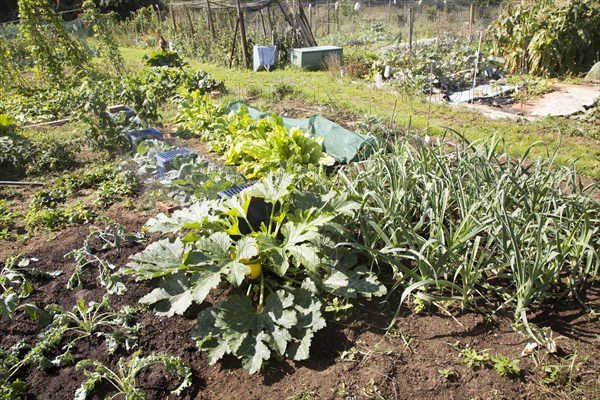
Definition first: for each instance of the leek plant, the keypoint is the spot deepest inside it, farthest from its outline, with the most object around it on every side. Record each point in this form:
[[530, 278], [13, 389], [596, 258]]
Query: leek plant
[[461, 221]]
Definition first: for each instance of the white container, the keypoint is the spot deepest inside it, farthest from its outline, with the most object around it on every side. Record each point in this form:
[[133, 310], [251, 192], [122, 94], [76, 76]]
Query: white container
[[378, 81], [264, 57], [387, 72]]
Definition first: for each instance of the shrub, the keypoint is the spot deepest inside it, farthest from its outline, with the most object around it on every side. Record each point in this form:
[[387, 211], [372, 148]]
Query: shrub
[[544, 37]]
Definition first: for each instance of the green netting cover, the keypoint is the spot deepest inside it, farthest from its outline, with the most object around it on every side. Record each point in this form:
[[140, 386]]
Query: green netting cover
[[340, 143]]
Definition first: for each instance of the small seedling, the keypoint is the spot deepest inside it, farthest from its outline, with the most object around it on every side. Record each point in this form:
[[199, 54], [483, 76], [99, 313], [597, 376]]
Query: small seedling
[[123, 380], [553, 375], [473, 358], [449, 373], [505, 366]]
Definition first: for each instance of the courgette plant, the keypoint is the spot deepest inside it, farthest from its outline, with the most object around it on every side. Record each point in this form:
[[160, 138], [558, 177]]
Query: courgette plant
[[295, 250], [14, 286]]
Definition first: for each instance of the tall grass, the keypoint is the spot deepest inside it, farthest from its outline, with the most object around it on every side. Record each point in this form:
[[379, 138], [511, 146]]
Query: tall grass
[[461, 221]]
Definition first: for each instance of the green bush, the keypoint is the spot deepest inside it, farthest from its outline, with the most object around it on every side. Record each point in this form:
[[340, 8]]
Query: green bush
[[544, 37], [163, 58]]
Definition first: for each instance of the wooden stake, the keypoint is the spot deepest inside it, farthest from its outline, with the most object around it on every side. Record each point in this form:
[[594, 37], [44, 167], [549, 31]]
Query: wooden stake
[[242, 34], [328, 30], [173, 18], [476, 66], [209, 19], [262, 20], [233, 43], [285, 14], [304, 21], [411, 22], [270, 22], [471, 19], [189, 18]]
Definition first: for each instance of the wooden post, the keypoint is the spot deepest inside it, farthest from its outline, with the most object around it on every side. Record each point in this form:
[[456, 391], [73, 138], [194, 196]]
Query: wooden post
[[328, 30], [264, 27], [230, 20], [233, 43], [476, 66], [471, 20], [411, 21], [270, 22], [173, 18], [242, 33], [189, 18], [209, 19]]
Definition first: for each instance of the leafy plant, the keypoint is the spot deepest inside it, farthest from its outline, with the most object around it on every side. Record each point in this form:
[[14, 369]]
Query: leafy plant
[[553, 375], [256, 147], [546, 37], [505, 366], [111, 182], [163, 58], [113, 236], [124, 379], [445, 221], [295, 244], [91, 318], [16, 151], [7, 217], [10, 389], [100, 24], [49, 41], [473, 358], [268, 145], [15, 286], [196, 113], [118, 328], [283, 327], [100, 130], [447, 64]]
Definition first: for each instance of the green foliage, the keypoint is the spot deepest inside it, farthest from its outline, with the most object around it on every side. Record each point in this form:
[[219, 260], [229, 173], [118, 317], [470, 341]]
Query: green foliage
[[544, 37], [20, 156], [268, 145], [7, 125], [445, 220], [446, 63], [7, 217], [52, 155], [473, 358], [51, 45], [101, 131], [553, 375], [14, 287], [111, 183], [113, 236], [256, 147], [117, 327], [102, 26], [197, 114], [16, 152], [93, 318], [123, 380], [284, 327], [505, 366], [202, 81], [163, 58], [297, 248]]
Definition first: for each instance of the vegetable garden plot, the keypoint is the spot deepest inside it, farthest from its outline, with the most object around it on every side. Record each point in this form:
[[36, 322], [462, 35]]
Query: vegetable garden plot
[[343, 145], [358, 284]]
